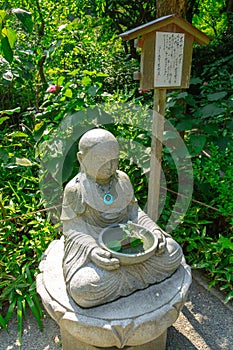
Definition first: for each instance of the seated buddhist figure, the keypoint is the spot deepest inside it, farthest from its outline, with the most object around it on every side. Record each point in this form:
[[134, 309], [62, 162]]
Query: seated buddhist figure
[[99, 196]]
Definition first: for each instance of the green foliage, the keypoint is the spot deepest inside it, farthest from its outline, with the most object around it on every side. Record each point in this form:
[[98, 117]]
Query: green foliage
[[203, 117], [210, 17], [205, 232], [24, 231], [8, 34], [63, 70]]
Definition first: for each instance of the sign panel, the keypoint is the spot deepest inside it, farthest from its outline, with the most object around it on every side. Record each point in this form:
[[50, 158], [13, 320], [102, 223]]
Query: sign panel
[[169, 49]]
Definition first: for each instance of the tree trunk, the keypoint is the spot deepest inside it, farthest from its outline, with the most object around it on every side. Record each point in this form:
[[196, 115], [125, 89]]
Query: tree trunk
[[229, 10], [168, 7]]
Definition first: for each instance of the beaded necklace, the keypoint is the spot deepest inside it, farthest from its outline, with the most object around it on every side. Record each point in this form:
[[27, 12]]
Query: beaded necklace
[[108, 197]]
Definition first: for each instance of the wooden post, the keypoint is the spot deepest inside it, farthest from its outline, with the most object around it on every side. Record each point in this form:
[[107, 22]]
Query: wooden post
[[156, 153], [166, 59]]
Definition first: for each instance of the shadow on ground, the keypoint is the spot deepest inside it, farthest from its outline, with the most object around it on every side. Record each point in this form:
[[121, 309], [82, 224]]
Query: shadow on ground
[[205, 323]]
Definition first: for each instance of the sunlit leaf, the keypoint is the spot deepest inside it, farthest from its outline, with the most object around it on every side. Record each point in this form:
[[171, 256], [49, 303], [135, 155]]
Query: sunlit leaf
[[8, 76], [23, 162], [2, 15], [3, 119], [10, 111], [11, 35], [86, 81], [18, 134], [68, 93], [25, 18]]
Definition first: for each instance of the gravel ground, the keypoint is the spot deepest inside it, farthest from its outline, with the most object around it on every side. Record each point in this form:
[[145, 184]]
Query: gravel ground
[[205, 323]]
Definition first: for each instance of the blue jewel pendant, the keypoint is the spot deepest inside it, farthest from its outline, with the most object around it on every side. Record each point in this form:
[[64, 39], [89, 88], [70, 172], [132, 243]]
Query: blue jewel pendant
[[108, 198]]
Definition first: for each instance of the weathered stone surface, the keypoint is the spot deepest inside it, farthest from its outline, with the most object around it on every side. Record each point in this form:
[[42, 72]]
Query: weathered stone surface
[[97, 198], [71, 343], [133, 321]]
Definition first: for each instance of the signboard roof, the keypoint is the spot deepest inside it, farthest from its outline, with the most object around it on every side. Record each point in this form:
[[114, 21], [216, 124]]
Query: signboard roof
[[159, 23]]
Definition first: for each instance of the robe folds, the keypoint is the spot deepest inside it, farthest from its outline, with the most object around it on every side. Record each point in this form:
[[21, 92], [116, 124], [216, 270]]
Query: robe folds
[[84, 216]]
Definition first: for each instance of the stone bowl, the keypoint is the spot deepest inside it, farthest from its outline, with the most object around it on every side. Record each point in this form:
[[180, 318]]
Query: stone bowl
[[115, 233]]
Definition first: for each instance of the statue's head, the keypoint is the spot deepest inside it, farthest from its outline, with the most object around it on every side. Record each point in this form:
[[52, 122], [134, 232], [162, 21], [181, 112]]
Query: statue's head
[[98, 154]]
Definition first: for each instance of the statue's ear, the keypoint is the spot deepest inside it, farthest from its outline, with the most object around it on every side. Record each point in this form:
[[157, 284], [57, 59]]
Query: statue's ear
[[80, 156]]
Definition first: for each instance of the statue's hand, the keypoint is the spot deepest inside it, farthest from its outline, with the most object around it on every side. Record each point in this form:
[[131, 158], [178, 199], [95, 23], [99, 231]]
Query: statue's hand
[[161, 243], [102, 258]]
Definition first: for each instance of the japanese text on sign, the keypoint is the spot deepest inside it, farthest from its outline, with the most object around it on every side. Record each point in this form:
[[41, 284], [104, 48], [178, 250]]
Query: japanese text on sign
[[169, 49]]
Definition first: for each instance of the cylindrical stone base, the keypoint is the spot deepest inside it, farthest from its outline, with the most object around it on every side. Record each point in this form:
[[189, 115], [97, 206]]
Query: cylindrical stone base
[[141, 318], [71, 343]]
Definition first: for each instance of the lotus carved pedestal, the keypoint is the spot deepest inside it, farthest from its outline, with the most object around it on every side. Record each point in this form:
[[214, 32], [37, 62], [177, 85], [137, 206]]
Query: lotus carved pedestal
[[137, 321]]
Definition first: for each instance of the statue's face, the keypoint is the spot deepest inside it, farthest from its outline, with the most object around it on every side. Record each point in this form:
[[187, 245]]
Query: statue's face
[[101, 161]]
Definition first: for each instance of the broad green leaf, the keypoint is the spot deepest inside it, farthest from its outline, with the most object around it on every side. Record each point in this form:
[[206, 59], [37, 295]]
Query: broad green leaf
[[89, 72], [18, 134], [23, 162], [216, 96], [60, 80], [211, 110], [190, 100], [86, 81], [184, 125], [181, 95], [10, 111], [2, 16], [225, 242], [11, 35], [3, 119], [114, 245], [197, 143], [38, 126], [68, 93], [100, 74], [25, 18], [6, 49], [194, 81]]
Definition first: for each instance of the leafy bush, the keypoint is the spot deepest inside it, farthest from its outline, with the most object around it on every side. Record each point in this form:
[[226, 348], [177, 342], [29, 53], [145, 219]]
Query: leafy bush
[[203, 117], [72, 65], [24, 232]]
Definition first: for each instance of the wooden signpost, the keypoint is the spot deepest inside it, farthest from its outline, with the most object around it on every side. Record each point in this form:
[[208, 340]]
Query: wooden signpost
[[166, 56]]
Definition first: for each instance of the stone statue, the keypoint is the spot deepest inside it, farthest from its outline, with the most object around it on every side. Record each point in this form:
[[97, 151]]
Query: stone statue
[[99, 196]]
